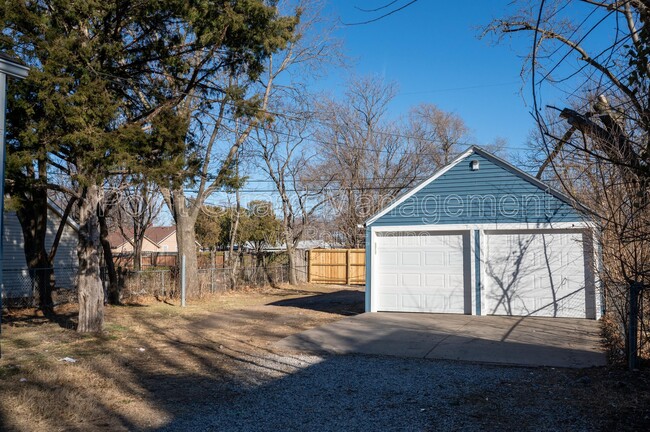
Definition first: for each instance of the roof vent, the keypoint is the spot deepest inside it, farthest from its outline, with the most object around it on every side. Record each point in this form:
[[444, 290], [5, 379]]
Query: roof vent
[[474, 165]]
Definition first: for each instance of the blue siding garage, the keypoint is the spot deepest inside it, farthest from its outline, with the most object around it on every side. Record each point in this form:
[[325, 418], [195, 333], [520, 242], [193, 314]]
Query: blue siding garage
[[482, 237]]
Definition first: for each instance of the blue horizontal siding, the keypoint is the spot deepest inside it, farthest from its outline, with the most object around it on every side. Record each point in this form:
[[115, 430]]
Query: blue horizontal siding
[[493, 194]]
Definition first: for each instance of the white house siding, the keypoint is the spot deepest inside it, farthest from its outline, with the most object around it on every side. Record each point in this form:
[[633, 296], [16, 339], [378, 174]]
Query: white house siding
[[16, 279], [65, 261]]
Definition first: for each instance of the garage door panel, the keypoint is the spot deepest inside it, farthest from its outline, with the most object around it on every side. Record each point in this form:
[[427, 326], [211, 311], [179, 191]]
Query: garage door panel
[[389, 300], [390, 280], [429, 274], [435, 280], [411, 301], [387, 259], [454, 257], [455, 282], [411, 280], [433, 302], [434, 258], [540, 274], [410, 240], [410, 258]]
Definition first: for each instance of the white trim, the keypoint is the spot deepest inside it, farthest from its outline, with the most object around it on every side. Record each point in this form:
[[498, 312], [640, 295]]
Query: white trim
[[485, 227], [481, 258], [498, 161], [13, 68], [373, 276], [534, 180], [52, 205], [419, 187], [472, 272], [598, 269]]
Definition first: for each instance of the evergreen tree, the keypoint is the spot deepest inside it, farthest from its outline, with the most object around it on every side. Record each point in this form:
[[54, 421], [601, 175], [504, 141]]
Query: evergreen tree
[[112, 89]]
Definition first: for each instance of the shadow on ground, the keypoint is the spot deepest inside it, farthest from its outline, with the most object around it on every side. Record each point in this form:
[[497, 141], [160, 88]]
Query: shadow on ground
[[217, 372], [343, 302]]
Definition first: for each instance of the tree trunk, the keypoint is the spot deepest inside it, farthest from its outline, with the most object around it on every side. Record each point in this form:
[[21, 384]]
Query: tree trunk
[[32, 216], [113, 286], [137, 253], [186, 240], [89, 284], [233, 262], [291, 257]]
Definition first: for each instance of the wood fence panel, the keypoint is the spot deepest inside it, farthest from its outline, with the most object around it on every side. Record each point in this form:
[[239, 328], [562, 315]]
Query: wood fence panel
[[337, 266], [301, 265], [357, 267]]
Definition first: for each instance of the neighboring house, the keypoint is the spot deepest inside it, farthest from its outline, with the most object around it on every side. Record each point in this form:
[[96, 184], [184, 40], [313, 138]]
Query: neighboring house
[[156, 240], [16, 278], [482, 237], [304, 245]]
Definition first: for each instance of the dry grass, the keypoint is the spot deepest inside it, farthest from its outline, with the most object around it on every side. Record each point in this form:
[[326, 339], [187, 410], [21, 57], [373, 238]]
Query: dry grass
[[154, 357], [151, 357]]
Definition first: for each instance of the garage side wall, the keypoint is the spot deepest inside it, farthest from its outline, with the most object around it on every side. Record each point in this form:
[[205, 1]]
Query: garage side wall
[[368, 269]]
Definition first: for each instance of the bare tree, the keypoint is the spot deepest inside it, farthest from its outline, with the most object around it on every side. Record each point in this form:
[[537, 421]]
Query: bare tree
[[138, 207], [279, 144], [287, 163], [605, 136], [443, 134], [370, 158]]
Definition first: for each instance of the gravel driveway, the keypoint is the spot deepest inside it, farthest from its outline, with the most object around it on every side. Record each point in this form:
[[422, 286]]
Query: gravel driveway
[[335, 393]]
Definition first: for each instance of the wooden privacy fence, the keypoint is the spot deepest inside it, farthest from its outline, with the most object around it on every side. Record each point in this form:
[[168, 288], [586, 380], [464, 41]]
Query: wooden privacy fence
[[337, 266]]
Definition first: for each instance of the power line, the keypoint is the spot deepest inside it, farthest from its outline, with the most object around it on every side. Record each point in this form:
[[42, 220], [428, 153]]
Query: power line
[[295, 115]]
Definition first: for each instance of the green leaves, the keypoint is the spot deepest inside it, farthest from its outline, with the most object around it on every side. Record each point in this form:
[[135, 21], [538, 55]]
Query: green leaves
[[115, 84]]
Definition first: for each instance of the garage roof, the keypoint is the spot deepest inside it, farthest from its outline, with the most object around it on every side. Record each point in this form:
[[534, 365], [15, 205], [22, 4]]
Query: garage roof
[[496, 192]]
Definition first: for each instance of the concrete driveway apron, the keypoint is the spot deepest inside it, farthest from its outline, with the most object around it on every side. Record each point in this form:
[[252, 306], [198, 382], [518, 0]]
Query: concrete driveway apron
[[525, 341]]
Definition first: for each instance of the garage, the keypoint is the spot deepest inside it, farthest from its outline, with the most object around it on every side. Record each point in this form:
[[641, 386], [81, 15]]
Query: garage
[[422, 272], [538, 273], [482, 237]]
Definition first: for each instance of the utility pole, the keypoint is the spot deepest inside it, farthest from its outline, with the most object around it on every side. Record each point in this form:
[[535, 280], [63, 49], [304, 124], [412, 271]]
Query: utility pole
[[13, 68]]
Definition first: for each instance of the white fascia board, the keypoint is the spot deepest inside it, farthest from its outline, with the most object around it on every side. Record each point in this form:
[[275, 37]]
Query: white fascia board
[[534, 180], [416, 189], [13, 69], [486, 227], [59, 212]]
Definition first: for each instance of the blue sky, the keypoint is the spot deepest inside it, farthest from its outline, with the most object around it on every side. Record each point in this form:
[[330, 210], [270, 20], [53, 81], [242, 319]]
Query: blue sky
[[432, 50]]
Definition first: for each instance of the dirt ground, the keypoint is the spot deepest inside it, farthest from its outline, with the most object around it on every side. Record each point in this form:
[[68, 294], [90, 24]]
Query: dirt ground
[[151, 357], [154, 357]]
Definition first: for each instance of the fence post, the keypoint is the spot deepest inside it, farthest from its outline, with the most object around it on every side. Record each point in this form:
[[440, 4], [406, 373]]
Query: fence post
[[162, 282], [183, 281], [309, 266], [347, 266], [633, 326]]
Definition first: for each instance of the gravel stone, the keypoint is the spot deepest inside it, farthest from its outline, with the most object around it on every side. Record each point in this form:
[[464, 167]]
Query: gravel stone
[[355, 393]]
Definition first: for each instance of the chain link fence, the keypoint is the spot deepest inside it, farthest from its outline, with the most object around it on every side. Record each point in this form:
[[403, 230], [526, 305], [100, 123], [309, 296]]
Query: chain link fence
[[166, 283], [22, 287]]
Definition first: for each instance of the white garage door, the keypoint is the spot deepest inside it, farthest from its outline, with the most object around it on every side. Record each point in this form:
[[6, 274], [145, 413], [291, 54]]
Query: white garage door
[[538, 274], [420, 272]]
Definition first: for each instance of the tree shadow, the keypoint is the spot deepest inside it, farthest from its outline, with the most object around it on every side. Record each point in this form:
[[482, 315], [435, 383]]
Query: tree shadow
[[508, 279], [514, 276], [18, 318], [343, 302]]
